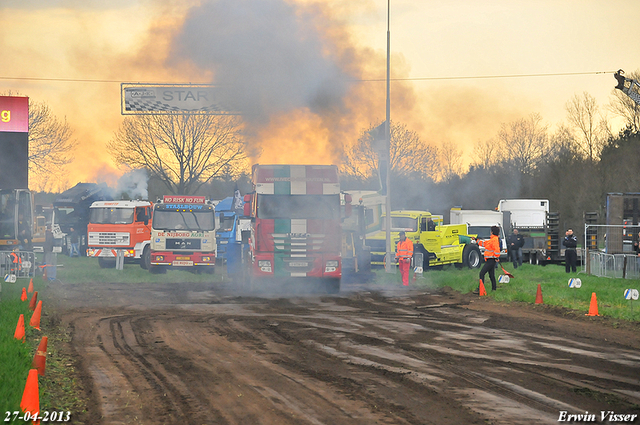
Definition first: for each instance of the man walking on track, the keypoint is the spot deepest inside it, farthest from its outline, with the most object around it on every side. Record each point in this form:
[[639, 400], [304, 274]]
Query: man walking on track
[[404, 252], [491, 257]]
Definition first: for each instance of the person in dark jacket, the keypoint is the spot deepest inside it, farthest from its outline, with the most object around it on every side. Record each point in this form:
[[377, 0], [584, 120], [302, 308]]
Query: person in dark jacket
[[74, 239], [514, 246], [570, 242], [49, 256], [24, 233]]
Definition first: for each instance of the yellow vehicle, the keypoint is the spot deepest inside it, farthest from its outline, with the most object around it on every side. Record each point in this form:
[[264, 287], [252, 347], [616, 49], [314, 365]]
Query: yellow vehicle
[[447, 244]]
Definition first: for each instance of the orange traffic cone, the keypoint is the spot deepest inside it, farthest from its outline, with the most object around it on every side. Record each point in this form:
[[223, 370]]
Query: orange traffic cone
[[19, 334], [34, 300], [40, 358], [483, 292], [31, 396], [30, 290], [593, 307], [23, 297], [539, 295], [35, 319]]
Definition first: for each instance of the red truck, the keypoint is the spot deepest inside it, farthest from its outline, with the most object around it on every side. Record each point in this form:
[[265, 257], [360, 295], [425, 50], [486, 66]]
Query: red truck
[[295, 225], [119, 225]]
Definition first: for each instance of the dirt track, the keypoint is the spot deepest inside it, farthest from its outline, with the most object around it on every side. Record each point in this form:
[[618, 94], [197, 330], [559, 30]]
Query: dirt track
[[199, 354]]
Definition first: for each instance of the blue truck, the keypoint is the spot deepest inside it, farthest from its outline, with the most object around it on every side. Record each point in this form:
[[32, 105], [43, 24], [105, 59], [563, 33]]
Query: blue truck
[[227, 231]]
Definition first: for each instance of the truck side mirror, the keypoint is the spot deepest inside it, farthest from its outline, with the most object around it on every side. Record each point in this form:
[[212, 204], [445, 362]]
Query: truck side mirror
[[348, 208]]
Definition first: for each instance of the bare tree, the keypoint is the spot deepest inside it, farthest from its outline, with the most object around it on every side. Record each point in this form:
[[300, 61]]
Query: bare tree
[[184, 151], [450, 162], [524, 143], [583, 115], [623, 106], [409, 154], [486, 154]]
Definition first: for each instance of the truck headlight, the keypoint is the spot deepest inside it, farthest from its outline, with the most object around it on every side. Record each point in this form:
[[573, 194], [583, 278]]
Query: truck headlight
[[331, 266]]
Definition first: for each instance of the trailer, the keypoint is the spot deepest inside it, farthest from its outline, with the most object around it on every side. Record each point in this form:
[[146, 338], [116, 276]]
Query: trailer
[[479, 222], [72, 209], [539, 226]]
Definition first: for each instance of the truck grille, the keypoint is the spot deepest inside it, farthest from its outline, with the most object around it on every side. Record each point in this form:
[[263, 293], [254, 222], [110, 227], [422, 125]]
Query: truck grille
[[190, 244], [298, 243], [108, 239]]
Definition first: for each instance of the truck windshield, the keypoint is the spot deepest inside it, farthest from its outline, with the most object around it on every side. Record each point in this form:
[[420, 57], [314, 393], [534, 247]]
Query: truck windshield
[[183, 220], [7, 214], [407, 224], [66, 216], [326, 207], [483, 232], [104, 215], [226, 223]]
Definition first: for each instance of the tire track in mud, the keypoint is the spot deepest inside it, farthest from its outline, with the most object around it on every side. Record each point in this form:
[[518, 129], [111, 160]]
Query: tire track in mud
[[356, 359], [504, 386]]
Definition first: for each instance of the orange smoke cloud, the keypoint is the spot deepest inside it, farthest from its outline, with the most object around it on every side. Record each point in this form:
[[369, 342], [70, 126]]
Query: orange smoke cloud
[[307, 89], [298, 137]]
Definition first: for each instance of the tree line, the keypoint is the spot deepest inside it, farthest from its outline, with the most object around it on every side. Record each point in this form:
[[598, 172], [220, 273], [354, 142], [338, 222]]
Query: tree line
[[574, 166]]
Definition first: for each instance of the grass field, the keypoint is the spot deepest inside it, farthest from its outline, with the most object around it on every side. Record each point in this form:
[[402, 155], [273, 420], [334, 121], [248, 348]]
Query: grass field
[[58, 388], [553, 281], [83, 270], [15, 356]]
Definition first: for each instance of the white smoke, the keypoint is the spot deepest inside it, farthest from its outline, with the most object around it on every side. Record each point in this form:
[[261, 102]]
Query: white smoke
[[133, 184]]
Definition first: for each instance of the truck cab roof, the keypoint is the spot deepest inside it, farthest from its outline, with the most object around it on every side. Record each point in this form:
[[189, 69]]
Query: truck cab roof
[[121, 204]]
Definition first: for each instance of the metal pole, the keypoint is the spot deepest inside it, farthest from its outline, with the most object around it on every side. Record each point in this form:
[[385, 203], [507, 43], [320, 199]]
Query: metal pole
[[387, 129]]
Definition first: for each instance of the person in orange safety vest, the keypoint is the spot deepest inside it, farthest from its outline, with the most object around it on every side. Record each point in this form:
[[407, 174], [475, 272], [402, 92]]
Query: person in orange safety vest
[[404, 252], [491, 256]]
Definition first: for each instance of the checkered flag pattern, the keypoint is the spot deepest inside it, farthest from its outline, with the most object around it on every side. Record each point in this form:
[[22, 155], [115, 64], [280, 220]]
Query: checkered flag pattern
[[141, 105]]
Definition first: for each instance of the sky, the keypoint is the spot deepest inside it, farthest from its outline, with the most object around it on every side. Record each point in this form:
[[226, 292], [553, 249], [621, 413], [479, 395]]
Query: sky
[[310, 73]]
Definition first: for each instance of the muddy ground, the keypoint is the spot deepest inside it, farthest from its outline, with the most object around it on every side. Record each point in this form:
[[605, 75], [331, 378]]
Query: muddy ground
[[203, 354]]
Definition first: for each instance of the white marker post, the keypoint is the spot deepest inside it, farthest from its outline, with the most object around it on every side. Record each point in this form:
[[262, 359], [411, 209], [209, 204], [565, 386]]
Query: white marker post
[[417, 262], [575, 283], [631, 295]]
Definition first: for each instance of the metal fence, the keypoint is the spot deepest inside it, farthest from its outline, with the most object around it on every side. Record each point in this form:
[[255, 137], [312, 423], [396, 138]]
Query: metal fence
[[20, 264], [611, 251]]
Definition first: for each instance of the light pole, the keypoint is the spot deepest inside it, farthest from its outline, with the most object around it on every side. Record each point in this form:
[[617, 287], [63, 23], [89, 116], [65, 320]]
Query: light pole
[[387, 129]]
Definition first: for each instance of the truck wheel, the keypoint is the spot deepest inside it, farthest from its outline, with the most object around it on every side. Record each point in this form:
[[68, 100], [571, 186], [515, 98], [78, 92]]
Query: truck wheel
[[471, 256], [107, 263], [145, 258], [333, 286], [425, 259]]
